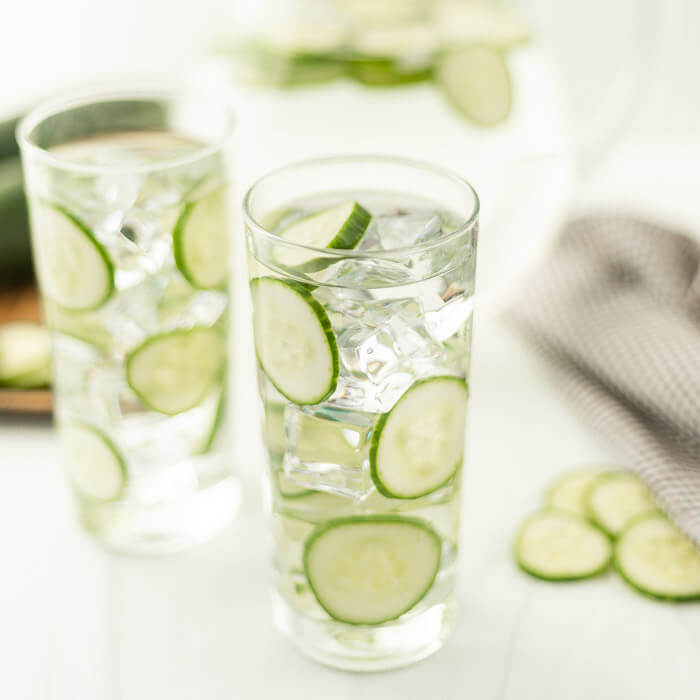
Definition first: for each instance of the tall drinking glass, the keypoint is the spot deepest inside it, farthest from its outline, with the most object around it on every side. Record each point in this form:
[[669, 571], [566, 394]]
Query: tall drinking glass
[[362, 279], [128, 196]]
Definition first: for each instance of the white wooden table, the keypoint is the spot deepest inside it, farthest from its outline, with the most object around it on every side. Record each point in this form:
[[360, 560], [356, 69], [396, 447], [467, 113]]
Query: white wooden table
[[80, 624]]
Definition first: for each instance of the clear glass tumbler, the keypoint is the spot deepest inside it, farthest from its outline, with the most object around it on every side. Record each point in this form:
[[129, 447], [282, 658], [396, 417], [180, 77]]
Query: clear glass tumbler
[[362, 280], [129, 205]]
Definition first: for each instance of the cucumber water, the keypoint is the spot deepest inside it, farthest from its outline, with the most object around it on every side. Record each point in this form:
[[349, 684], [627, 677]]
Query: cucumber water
[[363, 366], [131, 234]]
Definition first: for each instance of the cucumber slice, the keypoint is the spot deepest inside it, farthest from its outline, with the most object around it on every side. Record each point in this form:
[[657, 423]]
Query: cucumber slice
[[340, 226], [569, 492], [201, 241], [173, 372], [418, 446], [288, 488], [95, 466], [613, 500], [562, 546], [25, 361], [656, 559], [366, 570], [476, 80], [73, 266], [294, 341], [273, 427], [209, 439]]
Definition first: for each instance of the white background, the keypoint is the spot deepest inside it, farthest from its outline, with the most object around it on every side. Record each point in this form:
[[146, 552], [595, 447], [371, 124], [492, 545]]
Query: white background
[[79, 624]]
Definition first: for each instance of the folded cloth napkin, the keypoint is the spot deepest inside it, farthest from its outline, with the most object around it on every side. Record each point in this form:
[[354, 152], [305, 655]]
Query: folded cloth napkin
[[616, 309]]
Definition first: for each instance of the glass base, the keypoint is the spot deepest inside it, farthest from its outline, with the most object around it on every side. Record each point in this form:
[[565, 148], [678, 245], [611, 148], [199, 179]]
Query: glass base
[[356, 648], [163, 528]]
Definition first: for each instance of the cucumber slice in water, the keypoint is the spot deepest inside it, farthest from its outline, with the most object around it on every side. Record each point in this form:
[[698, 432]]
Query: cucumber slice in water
[[476, 80], [73, 266], [418, 446], [366, 570], [562, 546], [613, 500], [340, 226], [173, 372], [294, 341], [24, 355], [569, 492], [201, 241], [95, 466], [655, 558]]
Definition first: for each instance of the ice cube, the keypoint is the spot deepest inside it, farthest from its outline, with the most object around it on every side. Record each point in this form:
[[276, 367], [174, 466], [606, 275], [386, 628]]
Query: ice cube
[[382, 353], [327, 448], [447, 320], [402, 230]]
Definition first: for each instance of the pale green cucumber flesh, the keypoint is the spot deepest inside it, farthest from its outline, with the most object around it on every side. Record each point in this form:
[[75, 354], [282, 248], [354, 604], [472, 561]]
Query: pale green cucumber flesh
[[294, 341], [562, 546], [418, 446], [569, 491], [24, 355], [614, 499], [339, 226], [655, 558], [201, 241], [172, 372], [476, 81], [74, 268], [95, 467], [367, 570]]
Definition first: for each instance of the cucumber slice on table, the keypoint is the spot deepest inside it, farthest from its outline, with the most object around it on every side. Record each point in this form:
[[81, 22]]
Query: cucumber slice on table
[[294, 341], [418, 446], [613, 500], [73, 266], [476, 80], [24, 355], [95, 467], [201, 241], [561, 546], [656, 559], [366, 570], [173, 372], [569, 492], [340, 226]]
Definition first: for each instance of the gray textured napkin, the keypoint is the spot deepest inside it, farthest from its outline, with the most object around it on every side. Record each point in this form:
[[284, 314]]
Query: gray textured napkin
[[616, 309]]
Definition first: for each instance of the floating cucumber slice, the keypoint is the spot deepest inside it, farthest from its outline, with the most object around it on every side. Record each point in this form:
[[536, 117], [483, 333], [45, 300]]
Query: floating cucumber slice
[[613, 500], [74, 268], [219, 419], [173, 372], [288, 488], [657, 559], [201, 241], [562, 546], [294, 341], [340, 226], [569, 491], [85, 325], [385, 72], [476, 81], [24, 355], [366, 570], [418, 446], [95, 466]]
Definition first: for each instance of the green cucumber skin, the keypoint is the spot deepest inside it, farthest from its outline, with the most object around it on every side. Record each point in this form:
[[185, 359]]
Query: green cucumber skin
[[218, 420], [117, 455], [153, 339], [16, 259], [383, 72], [379, 518], [322, 316], [652, 595], [374, 444], [178, 248], [178, 252], [103, 254], [559, 579]]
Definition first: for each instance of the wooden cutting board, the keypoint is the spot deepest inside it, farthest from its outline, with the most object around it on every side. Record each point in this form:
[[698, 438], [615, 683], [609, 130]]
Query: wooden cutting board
[[22, 304]]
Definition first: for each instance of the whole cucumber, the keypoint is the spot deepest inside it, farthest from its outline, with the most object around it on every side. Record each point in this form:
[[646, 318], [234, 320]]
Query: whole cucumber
[[16, 258]]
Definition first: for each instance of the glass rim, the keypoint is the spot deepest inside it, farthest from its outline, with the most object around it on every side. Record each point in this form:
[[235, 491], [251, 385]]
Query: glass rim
[[350, 253], [86, 97]]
